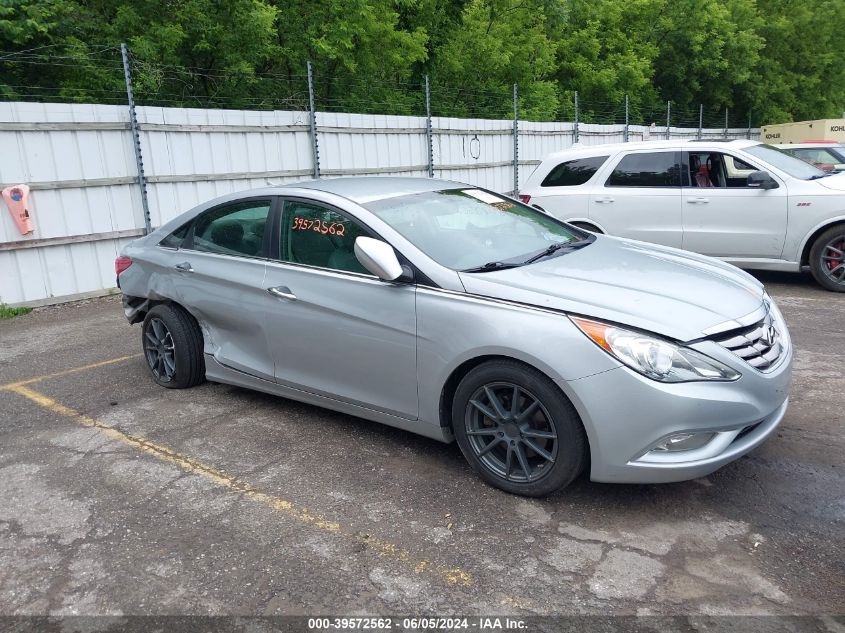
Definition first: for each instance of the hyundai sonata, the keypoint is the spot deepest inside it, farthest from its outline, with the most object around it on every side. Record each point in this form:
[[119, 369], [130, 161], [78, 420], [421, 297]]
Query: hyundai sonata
[[457, 313]]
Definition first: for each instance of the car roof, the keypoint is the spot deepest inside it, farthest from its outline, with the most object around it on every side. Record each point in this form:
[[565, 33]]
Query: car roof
[[363, 189], [612, 148]]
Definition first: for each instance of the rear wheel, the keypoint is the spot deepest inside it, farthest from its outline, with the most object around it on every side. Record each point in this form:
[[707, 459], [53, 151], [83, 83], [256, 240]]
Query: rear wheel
[[517, 430], [172, 344], [827, 259]]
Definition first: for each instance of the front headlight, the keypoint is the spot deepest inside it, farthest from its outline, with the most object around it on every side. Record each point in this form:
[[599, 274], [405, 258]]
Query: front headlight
[[654, 357]]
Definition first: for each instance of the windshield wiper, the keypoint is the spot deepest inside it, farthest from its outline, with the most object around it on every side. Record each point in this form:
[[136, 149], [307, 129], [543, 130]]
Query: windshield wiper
[[824, 175], [554, 248], [491, 266]]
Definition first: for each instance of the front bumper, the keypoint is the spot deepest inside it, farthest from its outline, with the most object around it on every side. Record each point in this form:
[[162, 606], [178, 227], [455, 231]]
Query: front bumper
[[626, 415]]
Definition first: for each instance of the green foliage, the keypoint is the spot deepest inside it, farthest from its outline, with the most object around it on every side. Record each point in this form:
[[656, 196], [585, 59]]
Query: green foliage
[[599, 56], [495, 44], [773, 59], [801, 74], [7, 312], [708, 48]]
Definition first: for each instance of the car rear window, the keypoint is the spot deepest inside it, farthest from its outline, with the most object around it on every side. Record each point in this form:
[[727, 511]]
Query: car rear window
[[652, 169], [175, 239], [573, 172]]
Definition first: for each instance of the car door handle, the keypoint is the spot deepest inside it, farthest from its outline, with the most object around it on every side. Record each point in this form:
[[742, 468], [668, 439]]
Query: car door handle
[[282, 292], [604, 200], [184, 267], [698, 200]]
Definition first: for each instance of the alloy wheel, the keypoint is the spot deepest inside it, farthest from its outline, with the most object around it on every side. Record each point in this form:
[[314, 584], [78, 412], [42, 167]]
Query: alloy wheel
[[833, 259], [511, 432], [160, 350]]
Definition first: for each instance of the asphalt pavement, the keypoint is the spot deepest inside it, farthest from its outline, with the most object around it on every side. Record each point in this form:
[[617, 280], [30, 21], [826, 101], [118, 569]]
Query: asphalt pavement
[[119, 497]]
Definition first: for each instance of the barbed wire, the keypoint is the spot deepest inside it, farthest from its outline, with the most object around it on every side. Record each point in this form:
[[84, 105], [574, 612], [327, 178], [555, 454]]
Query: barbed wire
[[98, 76]]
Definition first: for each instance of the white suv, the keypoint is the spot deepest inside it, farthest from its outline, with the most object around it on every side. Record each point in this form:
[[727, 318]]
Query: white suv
[[745, 202]]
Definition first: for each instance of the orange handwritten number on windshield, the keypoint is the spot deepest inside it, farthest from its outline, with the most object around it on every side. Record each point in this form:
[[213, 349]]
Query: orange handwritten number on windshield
[[319, 226]]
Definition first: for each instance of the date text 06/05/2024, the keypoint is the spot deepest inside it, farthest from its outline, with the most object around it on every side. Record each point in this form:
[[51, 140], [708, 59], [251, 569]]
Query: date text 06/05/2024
[[416, 624]]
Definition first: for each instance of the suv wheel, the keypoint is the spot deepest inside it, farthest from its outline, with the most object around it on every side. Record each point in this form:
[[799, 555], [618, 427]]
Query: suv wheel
[[517, 430], [827, 259]]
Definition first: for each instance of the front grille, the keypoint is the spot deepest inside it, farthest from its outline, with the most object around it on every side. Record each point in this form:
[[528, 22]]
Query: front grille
[[760, 345]]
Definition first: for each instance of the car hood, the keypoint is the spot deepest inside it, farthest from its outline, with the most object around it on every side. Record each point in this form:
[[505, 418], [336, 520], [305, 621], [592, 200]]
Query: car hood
[[835, 182], [664, 290]]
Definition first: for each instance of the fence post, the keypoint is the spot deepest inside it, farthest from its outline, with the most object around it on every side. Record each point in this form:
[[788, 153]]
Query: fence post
[[428, 134], [668, 120], [726, 123], [625, 134], [515, 139], [315, 148], [748, 131], [700, 119], [576, 132], [136, 138]]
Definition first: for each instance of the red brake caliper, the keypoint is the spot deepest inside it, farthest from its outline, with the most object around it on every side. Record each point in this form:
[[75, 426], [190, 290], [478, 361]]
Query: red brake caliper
[[831, 264]]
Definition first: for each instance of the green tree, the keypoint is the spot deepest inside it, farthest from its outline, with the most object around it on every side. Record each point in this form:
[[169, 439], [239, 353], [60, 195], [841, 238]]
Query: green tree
[[496, 44], [363, 57], [800, 74], [779, 59], [707, 52], [602, 54]]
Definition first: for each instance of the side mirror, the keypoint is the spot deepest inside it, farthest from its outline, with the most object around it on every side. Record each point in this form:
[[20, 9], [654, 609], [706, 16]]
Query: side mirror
[[761, 180], [379, 258]]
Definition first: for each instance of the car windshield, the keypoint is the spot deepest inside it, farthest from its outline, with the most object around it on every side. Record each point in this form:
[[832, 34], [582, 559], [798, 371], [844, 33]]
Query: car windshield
[[839, 150], [466, 229], [786, 162]]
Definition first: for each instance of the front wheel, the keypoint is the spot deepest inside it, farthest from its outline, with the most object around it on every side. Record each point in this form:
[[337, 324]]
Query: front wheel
[[517, 430], [827, 259]]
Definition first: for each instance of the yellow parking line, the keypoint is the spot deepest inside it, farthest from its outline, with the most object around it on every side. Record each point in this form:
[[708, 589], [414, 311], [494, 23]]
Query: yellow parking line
[[451, 576], [11, 386]]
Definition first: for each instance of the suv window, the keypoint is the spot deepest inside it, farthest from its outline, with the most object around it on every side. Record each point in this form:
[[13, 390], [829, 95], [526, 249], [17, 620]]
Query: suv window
[[233, 229], [647, 169], [573, 172], [715, 169], [317, 236]]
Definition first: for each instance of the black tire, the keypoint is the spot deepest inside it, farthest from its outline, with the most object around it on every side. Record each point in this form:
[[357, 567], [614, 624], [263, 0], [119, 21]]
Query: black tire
[[829, 273], [186, 367], [475, 431]]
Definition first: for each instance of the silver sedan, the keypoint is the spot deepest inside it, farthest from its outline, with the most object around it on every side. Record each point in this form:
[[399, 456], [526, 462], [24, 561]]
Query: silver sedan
[[460, 314]]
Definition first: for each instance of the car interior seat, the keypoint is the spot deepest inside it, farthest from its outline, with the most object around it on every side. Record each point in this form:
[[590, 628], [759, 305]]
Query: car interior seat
[[714, 169], [310, 247], [229, 235], [343, 255], [702, 176]]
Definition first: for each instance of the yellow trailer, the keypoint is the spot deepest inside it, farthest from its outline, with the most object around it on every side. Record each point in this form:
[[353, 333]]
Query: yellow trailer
[[803, 131]]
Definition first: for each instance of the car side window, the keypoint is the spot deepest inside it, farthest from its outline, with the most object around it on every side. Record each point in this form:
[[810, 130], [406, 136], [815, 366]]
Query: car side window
[[318, 236], [233, 229], [573, 172], [715, 169], [175, 239], [647, 169]]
